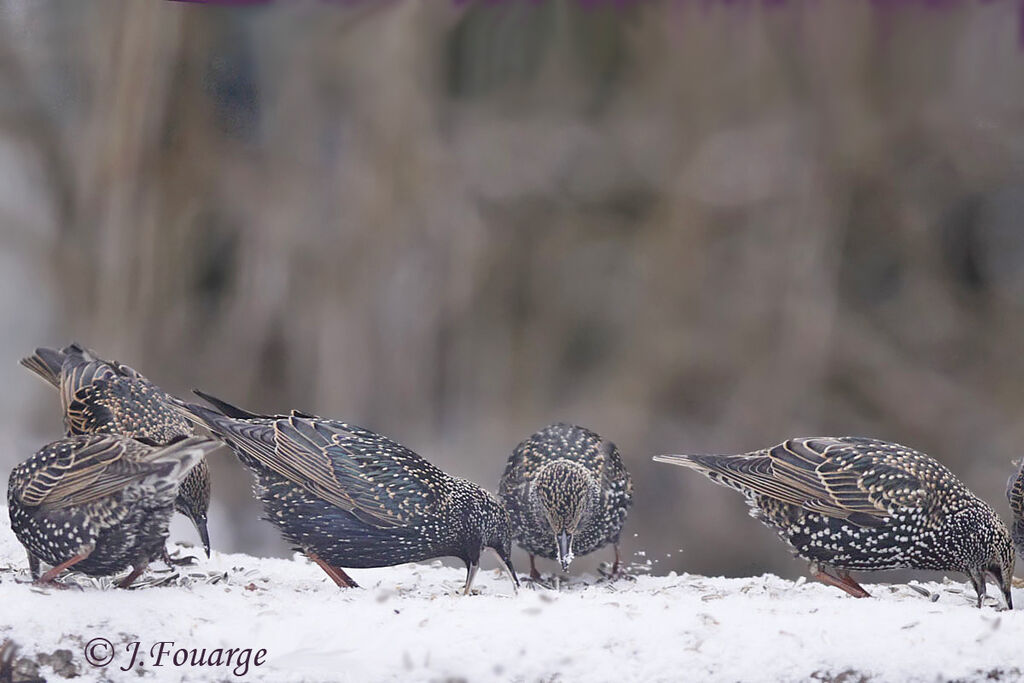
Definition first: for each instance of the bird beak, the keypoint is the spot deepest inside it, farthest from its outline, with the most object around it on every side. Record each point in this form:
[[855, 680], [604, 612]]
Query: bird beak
[[565, 556], [1007, 587], [506, 564], [204, 533]]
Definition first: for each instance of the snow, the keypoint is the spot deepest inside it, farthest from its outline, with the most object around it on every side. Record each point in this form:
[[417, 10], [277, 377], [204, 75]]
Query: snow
[[412, 623]]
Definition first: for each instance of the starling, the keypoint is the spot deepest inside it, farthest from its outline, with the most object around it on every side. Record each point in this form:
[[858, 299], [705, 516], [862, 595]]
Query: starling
[[852, 503], [347, 497], [107, 397], [1015, 494], [99, 503], [567, 493]]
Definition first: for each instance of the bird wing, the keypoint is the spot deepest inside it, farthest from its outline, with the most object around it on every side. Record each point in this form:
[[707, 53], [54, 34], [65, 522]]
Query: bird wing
[[849, 478], [379, 480], [89, 470]]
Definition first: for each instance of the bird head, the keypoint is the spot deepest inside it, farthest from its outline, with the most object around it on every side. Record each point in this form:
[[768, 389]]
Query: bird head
[[194, 499], [986, 549], [493, 528], [564, 493], [1000, 564]]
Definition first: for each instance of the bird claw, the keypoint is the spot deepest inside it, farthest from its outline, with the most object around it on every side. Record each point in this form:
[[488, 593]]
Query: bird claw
[[534, 581], [54, 584], [614, 573], [179, 560]]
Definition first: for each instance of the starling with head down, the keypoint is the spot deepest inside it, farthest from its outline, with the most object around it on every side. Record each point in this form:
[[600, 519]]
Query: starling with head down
[[1015, 494], [100, 503], [567, 493], [852, 503], [348, 497], [107, 397]]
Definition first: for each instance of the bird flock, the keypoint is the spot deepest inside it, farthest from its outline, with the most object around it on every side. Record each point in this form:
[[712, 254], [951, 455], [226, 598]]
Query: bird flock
[[99, 499]]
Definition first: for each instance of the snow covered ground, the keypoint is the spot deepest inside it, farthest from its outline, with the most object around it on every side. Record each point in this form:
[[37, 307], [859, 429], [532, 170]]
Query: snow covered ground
[[409, 623]]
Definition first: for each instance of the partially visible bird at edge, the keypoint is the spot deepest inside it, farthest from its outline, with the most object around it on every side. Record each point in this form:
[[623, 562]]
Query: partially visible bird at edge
[[107, 397], [99, 503], [852, 503]]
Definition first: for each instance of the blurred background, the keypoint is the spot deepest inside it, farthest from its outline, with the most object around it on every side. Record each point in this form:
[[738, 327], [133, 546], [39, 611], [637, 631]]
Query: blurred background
[[690, 226]]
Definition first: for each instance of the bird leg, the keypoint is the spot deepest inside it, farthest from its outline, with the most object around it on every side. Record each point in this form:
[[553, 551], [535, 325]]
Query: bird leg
[[136, 570], [471, 570], [52, 573], [33, 565], [534, 574], [340, 577], [980, 587], [844, 581]]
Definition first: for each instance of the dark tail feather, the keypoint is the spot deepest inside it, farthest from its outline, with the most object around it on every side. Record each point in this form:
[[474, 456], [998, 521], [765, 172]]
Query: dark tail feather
[[226, 408], [46, 363], [201, 415]]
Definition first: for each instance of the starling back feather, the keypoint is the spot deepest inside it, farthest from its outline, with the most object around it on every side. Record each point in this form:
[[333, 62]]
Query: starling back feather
[[852, 503], [99, 503], [1015, 494], [348, 497], [107, 397], [567, 493]]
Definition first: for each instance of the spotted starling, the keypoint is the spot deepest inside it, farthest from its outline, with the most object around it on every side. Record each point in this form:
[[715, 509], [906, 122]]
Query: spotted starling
[[107, 397], [1015, 494], [852, 503], [99, 503], [347, 497], [567, 493]]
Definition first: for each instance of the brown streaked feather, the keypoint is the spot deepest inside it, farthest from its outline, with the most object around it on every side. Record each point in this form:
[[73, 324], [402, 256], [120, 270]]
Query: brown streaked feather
[[837, 478], [356, 462], [46, 363], [1015, 491], [104, 465], [378, 480]]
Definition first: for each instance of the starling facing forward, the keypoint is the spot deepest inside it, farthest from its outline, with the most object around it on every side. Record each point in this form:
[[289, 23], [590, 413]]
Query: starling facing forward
[[567, 493], [347, 497], [1015, 494], [106, 397], [860, 504], [99, 503]]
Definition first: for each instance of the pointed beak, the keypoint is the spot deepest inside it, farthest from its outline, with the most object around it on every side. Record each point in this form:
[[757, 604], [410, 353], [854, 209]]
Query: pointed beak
[[1008, 592], [506, 564], [565, 556], [204, 533]]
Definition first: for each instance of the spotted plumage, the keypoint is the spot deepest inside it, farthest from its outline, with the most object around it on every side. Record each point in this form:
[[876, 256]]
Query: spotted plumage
[[567, 493], [99, 503], [852, 503], [1015, 495], [107, 397], [348, 497]]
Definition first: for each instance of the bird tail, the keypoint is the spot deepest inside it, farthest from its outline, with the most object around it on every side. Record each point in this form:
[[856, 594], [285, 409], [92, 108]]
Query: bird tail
[[717, 468], [200, 415], [46, 363], [177, 458], [226, 408], [220, 419]]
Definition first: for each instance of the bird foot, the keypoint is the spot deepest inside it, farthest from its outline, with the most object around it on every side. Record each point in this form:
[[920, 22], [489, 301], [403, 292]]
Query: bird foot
[[538, 581], [178, 560], [53, 584], [614, 572]]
